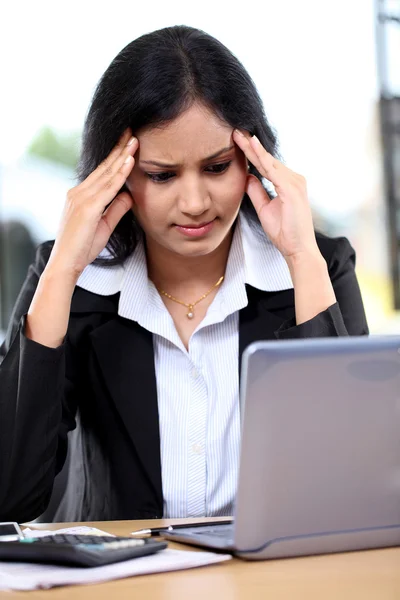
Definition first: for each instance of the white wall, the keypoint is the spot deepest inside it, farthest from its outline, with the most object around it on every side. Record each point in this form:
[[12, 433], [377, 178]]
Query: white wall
[[312, 60]]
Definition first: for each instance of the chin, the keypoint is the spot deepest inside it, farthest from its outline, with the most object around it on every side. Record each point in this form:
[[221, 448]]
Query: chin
[[197, 248]]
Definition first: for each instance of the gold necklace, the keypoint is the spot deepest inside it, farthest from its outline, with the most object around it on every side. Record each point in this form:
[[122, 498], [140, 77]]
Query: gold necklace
[[191, 306]]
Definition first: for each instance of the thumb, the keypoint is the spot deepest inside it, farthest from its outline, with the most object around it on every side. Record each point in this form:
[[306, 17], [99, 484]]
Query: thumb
[[117, 209], [257, 194]]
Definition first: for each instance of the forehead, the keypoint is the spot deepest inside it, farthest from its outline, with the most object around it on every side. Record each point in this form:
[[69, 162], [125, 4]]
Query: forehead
[[196, 133]]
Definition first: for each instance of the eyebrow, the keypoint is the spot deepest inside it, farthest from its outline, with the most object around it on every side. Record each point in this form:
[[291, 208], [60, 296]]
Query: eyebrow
[[170, 166]]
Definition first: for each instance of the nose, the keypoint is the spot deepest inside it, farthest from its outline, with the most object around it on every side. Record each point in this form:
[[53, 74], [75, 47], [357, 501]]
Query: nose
[[194, 198]]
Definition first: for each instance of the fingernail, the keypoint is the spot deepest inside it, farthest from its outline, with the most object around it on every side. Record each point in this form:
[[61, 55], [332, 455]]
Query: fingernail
[[128, 159], [239, 132], [255, 138], [131, 141]]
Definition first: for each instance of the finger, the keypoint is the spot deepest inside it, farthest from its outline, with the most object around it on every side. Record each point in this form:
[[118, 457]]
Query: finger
[[107, 189], [116, 152], [270, 167], [102, 192], [242, 139], [120, 164], [117, 209], [257, 194], [266, 164]]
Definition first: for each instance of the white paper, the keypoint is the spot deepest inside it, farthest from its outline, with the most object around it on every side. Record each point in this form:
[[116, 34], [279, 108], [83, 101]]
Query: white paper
[[29, 576], [82, 530]]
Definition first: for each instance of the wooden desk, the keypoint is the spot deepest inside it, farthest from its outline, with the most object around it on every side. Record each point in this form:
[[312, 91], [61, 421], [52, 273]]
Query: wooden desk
[[372, 574]]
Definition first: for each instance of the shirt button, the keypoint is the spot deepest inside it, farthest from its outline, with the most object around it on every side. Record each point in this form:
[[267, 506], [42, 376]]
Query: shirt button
[[194, 373], [197, 449]]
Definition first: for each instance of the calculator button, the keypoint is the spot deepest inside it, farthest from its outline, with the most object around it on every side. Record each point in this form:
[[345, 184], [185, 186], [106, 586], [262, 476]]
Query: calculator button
[[125, 544]]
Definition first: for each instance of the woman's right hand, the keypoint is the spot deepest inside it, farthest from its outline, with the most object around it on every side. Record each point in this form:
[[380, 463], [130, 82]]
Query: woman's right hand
[[85, 226]]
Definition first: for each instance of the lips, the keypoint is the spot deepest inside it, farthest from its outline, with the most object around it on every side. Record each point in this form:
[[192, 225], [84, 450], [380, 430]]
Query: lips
[[195, 226], [195, 230]]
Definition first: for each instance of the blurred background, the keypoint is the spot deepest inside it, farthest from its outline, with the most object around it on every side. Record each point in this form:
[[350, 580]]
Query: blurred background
[[329, 76]]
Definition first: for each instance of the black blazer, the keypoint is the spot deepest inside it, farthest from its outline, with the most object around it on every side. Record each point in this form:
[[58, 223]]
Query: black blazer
[[101, 383]]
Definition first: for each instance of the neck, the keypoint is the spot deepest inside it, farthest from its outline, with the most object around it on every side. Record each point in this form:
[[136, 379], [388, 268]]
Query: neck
[[170, 271]]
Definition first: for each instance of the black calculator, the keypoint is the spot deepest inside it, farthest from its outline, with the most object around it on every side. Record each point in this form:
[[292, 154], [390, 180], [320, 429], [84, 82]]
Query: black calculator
[[78, 550]]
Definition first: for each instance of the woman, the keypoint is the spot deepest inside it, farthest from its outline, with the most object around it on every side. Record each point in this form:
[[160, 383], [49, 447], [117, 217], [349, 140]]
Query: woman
[[170, 259]]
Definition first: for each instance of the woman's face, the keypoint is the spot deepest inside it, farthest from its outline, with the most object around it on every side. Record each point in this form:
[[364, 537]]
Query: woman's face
[[188, 183]]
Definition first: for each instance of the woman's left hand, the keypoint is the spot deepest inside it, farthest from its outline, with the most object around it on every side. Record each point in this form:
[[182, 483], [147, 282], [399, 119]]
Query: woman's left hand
[[287, 218]]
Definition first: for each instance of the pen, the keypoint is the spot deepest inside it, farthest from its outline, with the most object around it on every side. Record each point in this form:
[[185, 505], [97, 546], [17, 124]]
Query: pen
[[160, 530]]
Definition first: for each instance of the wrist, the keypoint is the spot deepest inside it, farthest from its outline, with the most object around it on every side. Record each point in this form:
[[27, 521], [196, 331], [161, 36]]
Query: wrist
[[48, 313], [312, 285], [311, 261], [56, 275], [59, 270]]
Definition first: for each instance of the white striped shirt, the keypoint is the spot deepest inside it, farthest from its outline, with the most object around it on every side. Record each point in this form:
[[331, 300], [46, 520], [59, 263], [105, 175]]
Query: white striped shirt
[[197, 389]]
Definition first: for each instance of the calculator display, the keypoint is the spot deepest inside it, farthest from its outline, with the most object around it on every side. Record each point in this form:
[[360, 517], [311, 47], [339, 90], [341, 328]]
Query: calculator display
[[8, 529]]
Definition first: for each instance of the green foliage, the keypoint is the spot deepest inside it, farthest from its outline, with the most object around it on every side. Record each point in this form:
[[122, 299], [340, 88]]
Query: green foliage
[[57, 147]]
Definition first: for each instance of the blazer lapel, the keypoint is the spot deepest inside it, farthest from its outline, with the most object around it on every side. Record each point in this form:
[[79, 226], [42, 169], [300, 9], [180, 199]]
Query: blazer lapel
[[125, 354], [124, 351]]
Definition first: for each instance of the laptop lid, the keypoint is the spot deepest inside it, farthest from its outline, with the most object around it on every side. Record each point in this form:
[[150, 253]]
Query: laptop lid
[[320, 451]]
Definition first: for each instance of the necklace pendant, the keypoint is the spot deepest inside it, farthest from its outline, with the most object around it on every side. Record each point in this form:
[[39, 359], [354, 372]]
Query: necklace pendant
[[190, 314]]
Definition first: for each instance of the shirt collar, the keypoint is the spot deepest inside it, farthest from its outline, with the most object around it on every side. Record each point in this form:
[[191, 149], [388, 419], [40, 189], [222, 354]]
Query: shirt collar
[[253, 260]]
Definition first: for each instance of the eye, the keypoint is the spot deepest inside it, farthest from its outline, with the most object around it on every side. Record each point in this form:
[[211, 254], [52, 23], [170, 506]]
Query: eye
[[160, 177], [219, 168], [167, 175]]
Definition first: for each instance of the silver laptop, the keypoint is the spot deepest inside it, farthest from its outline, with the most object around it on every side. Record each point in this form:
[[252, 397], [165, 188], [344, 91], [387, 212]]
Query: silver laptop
[[320, 451]]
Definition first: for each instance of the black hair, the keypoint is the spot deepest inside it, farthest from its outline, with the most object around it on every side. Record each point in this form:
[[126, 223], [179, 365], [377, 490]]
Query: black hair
[[151, 82]]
